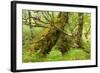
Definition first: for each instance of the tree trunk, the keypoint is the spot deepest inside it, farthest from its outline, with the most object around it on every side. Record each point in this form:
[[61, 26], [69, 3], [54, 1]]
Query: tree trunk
[[49, 36], [80, 29], [30, 24], [62, 42]]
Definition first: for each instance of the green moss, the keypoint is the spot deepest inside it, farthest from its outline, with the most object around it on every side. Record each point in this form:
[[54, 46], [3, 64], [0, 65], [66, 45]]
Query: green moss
[[76, 54], [28, 57], [54, 55]]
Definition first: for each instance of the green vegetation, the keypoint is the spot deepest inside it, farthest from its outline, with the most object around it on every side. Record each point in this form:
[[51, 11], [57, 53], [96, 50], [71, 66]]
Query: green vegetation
[[55, 36]]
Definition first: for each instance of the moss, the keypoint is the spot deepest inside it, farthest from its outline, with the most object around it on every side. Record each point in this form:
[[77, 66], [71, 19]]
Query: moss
[[76, 54], [54, 55]]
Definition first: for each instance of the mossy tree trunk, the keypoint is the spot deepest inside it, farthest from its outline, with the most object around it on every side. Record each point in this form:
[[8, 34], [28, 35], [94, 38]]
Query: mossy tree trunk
[[30, 24], [50, 35], [80, 29]]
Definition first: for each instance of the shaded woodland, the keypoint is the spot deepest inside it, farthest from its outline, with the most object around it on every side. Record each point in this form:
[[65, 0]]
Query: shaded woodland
[[55, 36]]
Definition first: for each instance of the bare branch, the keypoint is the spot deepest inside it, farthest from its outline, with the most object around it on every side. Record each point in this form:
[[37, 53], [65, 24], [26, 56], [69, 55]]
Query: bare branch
[[47, 12], [45, 16]]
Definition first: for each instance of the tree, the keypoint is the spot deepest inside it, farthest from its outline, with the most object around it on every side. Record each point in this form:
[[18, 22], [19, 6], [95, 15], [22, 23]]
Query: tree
[[80, 29]]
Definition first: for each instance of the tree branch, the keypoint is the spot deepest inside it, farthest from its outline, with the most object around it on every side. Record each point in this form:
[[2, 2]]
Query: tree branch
[[86, 34], [38, 26], [45, 16], [62, 31], [48, 14], [34, 19]]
